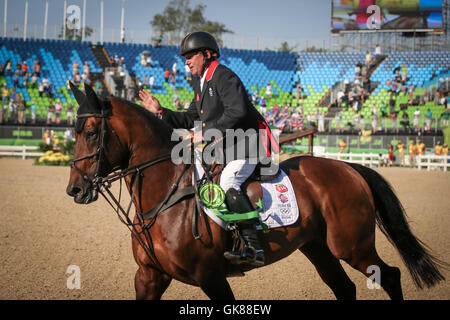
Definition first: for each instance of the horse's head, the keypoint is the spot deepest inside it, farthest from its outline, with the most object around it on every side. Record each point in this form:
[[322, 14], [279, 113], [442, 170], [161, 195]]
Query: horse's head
[[96, 151]]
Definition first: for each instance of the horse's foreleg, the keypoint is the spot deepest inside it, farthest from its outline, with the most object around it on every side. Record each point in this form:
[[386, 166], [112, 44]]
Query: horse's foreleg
[[150, 284], [212, 280], [330, 270]]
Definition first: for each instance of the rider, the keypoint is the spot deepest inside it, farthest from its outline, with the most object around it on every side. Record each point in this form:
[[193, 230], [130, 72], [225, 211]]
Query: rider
[[221, 102]]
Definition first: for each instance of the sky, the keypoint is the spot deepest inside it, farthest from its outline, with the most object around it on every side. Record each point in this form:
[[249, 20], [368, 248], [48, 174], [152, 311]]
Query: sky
[[258, 23]]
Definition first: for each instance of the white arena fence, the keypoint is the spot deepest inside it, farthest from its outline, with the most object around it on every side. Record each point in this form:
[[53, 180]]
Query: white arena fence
[[429, 162], [432, 162], [20, 151]]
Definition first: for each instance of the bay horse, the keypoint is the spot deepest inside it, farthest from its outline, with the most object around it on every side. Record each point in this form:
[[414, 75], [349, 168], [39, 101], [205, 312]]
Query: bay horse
[[340, 205]]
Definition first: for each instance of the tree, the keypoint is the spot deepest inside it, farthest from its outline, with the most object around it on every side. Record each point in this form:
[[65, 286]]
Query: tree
[[179, 18], [285, 47], [314, 49]]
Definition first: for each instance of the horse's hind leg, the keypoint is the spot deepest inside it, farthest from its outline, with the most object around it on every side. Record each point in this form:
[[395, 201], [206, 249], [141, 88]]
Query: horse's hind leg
[[369, 263], [330, 270], [150, 284]]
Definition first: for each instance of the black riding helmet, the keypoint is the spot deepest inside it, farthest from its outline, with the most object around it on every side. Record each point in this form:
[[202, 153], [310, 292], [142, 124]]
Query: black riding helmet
[[199, 41]]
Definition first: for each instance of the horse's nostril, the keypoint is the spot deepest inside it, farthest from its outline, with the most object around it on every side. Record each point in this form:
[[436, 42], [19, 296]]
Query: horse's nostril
[[73, 191]]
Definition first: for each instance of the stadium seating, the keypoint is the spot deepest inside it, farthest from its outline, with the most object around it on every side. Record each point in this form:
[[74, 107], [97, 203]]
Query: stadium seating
[[316, 72], [56, 58]]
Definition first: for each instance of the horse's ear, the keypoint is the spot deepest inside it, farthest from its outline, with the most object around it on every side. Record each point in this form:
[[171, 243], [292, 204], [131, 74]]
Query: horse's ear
[[92, 97], [79, 96]]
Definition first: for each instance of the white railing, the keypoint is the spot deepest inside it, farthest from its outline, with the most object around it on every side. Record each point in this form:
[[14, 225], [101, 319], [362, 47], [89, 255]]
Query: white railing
[[430, 162], [433, 162], [19, 151], [366, 159]]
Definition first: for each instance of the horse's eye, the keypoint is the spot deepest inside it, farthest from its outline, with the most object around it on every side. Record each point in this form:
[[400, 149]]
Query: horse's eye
[[91, 134]]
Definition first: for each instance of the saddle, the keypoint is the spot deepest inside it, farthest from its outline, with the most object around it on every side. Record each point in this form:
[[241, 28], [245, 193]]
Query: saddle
[[252, 186]]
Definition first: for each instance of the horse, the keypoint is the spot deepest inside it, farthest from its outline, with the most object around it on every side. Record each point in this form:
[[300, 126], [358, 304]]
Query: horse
[[339, 203]]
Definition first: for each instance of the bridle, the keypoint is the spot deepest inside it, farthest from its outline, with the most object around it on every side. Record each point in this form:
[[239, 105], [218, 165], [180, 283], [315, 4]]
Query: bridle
[[99, 153], [103, 184]]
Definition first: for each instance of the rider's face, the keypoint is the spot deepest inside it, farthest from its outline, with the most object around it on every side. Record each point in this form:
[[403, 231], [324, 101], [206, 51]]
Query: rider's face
[[195, 62]]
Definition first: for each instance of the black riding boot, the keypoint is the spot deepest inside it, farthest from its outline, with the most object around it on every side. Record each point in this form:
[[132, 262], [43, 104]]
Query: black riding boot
[[251, 252]]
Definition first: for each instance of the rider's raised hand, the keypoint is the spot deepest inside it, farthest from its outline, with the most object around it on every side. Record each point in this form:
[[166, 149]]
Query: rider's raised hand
[[149, 102]]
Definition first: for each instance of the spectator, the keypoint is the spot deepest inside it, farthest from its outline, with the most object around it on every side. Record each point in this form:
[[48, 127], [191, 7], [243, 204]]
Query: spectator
[[8, 67], [321, 122], [438, 148], [358, 69], [34, 80], [69, 113], [166, 75], [173, 80], [368, 58], [262, 103], [268, 91], [24, 68], [444, 150], [174, 68], [143, 60], [362, 123], [75, 68], [159, 40], [377, 50], [380, 160], [186, 105], [33, 112], [176, 100], [21, 112], [410, 93], [338, 122], [416, 119], [342, 146], [401, 153], [391, 156], [393, 117], [5, 95], [405, 121], [122, 35], [68, 135], [428, 118], [50, 113], [356, 120], [255, 97], [374, 123], [38, 69], [86, 69], [420, 147], [148, 61], [151, 82], [58, 109], [15, 79]]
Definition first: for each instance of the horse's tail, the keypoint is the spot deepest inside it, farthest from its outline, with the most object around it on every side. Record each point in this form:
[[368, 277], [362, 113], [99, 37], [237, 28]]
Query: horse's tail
[[391, 218]]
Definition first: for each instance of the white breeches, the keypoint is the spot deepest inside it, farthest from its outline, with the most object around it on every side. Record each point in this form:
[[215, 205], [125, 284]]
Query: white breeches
[[235, 173]]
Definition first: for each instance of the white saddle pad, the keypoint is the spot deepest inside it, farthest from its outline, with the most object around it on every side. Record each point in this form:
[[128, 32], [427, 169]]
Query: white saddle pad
[[279, 202]]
